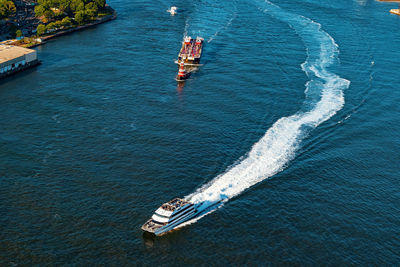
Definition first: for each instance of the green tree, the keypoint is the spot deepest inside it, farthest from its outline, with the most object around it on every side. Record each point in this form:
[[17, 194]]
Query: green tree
[[64, 6], [58, 24], [50, 26], [81, 7], [100, 3], [49, 15], [41, 29], [80, 17], [77, 5], [74, 5], [39, 10], [51, 10], [66, 21], [91, 10], [10, 6], [18, 33], [46, 4], [7, 8]]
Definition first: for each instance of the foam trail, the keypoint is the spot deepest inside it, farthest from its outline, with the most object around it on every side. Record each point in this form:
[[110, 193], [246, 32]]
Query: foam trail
[[323, 98], [211, 18], [185, 30], [227, 25]]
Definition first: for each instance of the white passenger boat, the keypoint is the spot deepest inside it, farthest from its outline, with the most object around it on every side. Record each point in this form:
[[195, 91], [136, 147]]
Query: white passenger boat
[[172, 10], [174, 213]]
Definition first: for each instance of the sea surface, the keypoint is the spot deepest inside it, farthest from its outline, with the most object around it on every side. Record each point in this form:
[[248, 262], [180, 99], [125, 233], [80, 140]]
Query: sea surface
[[292, 121]]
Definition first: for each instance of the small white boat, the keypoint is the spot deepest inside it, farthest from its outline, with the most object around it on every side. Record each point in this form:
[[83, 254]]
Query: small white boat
[[174, 213], [172, 10]]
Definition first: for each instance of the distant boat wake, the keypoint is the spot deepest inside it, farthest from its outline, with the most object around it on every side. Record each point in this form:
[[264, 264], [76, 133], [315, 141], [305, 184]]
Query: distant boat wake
[[271, 154], [223, 15]]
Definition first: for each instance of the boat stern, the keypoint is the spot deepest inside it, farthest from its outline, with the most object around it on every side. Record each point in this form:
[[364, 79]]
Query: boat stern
[[151, 226]]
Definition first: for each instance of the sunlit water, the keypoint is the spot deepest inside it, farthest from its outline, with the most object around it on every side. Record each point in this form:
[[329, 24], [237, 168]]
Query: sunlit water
[[293, 121]]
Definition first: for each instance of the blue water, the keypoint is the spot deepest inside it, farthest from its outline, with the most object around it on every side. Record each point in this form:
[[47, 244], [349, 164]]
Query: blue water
[[293, 121]]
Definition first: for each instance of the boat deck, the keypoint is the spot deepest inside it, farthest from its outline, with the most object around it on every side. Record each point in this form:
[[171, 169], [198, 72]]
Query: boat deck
[[191, 50], [151, 226], [174, 204]]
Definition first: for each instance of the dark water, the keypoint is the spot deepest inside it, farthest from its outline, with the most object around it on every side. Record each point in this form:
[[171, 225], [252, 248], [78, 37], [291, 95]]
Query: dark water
[[307, 155]]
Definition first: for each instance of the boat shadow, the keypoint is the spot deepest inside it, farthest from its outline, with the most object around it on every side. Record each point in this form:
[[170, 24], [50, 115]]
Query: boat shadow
[[148, 239]]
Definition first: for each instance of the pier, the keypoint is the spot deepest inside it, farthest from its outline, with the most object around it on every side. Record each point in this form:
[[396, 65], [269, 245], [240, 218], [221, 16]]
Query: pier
[[14, 59]]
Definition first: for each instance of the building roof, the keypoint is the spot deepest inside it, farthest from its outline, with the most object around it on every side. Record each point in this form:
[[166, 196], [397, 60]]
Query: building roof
[[9, 52]]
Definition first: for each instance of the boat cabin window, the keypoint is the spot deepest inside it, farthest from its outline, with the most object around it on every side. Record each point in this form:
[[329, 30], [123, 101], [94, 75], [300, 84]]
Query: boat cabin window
[[162, 216]]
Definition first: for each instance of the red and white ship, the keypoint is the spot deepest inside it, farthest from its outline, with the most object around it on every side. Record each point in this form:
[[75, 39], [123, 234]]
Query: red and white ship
[[191, 50], [182, 73]]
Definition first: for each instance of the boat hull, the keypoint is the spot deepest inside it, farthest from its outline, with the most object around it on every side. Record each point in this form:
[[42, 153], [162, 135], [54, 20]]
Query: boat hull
[[182, 79], [194, 62], [171, 226], [188, 64], [174, 225]]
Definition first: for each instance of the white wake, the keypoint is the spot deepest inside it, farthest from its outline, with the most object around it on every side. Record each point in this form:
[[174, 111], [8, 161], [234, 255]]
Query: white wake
[[323, 98], [210, 19]]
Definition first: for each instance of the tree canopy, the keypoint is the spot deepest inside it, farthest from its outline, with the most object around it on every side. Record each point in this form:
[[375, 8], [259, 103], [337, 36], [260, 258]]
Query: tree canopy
[[69, 7], [56, 14], [77, 11], [7, 8], [81, 17], [41, 29], [66, 21]]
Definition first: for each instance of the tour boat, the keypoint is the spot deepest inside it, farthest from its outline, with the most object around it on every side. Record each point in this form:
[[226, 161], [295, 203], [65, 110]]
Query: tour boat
[[174, 213]]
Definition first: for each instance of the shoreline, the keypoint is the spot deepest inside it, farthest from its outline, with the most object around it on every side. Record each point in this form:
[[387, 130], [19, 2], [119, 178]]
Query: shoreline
[[74, 29], [27, 66], [43, 40], [79, 28]]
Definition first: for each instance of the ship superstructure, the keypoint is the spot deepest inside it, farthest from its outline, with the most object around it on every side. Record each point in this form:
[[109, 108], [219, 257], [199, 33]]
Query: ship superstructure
[[191, 50], [169, 216], [174, 213]]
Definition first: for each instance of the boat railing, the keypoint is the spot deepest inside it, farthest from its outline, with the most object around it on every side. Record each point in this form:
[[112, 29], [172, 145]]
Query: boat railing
[[168, 207], [150, 224]]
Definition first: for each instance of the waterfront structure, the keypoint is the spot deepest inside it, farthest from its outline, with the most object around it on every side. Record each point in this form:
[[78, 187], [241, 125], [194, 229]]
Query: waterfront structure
[[15, 58]]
